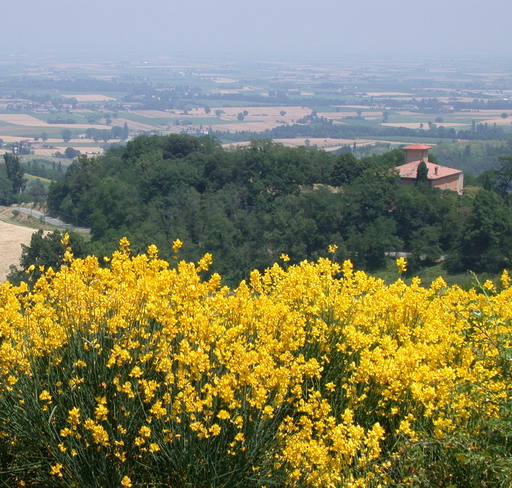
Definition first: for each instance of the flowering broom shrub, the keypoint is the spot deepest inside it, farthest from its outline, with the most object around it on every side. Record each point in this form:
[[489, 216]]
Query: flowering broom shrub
[[143, 374]]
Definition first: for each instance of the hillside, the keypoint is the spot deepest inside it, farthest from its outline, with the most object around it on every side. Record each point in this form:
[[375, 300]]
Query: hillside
[[248, 205], [11, 238], [138, 372]]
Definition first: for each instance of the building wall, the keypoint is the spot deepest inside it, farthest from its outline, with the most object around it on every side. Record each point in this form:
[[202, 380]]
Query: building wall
[[416, 155], [452, 182]]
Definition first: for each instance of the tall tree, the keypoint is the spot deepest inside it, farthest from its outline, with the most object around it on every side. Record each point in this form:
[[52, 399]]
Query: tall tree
[[14, 171], [422, 174], [504, 174], [46, 250], [66, 135], [346, 169], [6, 193], [486, 240]]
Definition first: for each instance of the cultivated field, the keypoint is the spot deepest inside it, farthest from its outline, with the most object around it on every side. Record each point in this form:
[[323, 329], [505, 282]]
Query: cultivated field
[[95, 97], [194, 98], [11, 238], [132, 125], [328, 144], [30, 121]]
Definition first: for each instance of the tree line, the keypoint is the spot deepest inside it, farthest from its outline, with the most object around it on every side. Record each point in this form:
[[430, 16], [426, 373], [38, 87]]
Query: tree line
[[322, 127], [11, 179], [250, 205]]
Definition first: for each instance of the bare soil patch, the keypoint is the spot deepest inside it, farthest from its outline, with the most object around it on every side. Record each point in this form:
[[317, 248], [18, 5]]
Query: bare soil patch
[[328, 144], [499, 121], [226, 91], [157, 114], [320, 142], [29, 121], [219, 79], [250, 126], [61, 149], [11, 238], [293, 112], [22, 119], [91, 149], [132, 124], [14, 138], [93, 97], [16, 228], [45, 152], [259, 119]]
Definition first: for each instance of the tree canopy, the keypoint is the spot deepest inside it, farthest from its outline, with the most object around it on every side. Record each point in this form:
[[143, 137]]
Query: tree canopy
[[249, 205], [14, 171]]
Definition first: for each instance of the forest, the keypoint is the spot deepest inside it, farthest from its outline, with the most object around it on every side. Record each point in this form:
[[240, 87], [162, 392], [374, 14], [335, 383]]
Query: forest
[[248, 206]]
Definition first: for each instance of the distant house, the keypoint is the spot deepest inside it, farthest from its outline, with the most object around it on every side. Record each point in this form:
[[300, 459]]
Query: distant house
[[439, 176]]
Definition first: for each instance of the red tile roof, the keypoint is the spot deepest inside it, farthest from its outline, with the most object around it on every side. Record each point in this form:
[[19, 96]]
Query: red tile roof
[[417, 147], [410, 170]]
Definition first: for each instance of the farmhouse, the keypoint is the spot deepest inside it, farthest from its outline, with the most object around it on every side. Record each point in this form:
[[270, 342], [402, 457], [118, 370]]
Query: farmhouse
[[439, 176]]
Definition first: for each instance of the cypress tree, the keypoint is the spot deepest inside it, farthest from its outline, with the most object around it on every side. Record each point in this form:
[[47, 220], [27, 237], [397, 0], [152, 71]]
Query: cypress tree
[[422, 173]]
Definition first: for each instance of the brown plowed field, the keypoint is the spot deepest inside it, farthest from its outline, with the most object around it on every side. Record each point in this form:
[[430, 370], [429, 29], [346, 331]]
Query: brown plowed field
[[11, 238]]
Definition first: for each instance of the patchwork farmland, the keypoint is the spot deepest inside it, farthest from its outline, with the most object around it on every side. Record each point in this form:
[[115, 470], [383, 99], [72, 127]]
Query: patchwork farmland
[[362, 104]]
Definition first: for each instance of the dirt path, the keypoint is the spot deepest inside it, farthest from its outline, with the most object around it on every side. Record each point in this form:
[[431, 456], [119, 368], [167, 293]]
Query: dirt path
[[11, 238]]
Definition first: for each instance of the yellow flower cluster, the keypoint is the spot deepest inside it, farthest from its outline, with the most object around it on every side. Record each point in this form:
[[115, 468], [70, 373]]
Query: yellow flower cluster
[[333, 362]]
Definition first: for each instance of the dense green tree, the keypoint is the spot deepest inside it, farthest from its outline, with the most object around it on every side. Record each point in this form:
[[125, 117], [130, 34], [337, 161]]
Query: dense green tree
[[488, 180], [422, 174], [304, 225], [66, 135], [504, 174], [392, 158], [46, 250], [43, 168], [113, 206], [71, 153], [486, 239], [6, 191], [368, 248], [116, 132], [73, 198], [425, 246], [36, 191], [14, 172], [248, 205], [370, 196], [346, 169]]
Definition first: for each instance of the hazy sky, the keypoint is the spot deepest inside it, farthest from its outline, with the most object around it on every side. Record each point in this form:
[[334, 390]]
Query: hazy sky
[[251, 28]]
